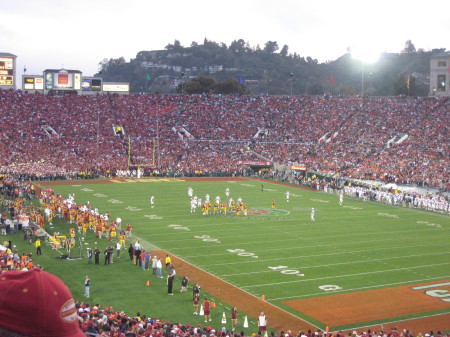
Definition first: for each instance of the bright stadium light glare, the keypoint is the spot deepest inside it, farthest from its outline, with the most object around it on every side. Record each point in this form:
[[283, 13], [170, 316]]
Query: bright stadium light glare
[[365, 54]]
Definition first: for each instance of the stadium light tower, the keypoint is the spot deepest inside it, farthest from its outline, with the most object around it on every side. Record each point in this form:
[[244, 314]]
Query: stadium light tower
[[291, 76], [365, 56], [182, 89]]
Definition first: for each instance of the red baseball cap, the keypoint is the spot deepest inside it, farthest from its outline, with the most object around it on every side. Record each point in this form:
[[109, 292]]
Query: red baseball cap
[[37, 304]]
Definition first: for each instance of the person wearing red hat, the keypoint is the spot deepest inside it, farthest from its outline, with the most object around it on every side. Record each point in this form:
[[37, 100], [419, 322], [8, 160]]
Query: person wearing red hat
[[36, 303]]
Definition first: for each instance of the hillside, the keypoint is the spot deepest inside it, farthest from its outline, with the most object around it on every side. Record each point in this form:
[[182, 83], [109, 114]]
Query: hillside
[[269, 70]]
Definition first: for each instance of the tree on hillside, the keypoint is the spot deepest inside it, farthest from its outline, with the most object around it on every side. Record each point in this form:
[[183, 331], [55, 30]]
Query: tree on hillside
[[409, 47], [175, 47], [271, 47], [284, 50], [198, 85], [238, 47], [229, 86]]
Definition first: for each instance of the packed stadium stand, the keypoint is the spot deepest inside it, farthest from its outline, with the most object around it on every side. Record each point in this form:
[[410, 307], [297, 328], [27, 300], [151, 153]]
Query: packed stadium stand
[[389, 139]]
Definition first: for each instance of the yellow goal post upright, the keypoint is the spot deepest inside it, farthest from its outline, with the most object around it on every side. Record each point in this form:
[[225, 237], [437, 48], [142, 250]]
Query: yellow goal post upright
[[152, 164]]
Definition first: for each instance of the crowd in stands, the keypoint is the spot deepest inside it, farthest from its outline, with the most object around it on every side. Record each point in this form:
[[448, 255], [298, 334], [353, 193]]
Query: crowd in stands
[[345, 135], [105, 321]]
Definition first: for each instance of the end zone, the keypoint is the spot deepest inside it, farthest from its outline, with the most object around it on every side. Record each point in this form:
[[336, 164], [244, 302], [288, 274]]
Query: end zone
[[376, 305]]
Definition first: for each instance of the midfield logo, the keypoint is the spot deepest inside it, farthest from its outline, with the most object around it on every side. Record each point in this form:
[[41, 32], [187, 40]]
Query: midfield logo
[[267, 211]]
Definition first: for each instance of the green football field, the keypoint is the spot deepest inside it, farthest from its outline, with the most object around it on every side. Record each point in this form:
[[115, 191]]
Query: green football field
[[279, 253]]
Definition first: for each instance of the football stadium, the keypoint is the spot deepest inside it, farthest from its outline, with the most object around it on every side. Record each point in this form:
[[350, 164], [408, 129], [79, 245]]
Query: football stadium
[[184, 214], [302, 216]]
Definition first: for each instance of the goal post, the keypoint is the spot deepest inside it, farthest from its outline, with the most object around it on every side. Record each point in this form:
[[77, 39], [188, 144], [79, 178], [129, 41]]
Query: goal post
[[152, 163]]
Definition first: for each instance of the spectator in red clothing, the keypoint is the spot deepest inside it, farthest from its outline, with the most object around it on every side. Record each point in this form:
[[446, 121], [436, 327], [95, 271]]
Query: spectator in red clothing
[[207, 310]]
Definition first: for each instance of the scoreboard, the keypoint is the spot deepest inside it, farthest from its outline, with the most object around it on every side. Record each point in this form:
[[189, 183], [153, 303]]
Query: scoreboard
[[6, 71], [91, 84], [62, 79], [33, 83]]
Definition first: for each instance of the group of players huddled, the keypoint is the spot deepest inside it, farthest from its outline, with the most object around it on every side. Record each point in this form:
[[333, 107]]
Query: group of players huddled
[[219, 206]]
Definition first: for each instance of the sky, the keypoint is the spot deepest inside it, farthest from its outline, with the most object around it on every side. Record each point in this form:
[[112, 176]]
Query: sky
[[54, 34]]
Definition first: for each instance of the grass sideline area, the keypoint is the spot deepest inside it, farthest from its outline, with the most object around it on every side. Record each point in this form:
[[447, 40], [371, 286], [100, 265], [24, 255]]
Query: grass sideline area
[[276, 253]]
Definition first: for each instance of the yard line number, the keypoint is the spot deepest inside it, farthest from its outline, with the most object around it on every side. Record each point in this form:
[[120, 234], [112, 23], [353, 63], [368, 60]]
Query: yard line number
[[242, 252], [206, 238], [286, 270]]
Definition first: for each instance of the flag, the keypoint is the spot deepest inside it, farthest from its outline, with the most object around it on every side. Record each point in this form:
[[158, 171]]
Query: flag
[[147, 76], [408, 81], [332, 82], [241, 81]]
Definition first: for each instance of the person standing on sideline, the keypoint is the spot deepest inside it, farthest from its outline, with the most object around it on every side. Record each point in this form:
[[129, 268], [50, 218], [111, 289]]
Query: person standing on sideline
[[313, 212], [234, 314], [147, 257], [207, 310], [89, 255], [107, 252], [184, 284], [288, 194], [97, 255], [128, 229], [168, 262], [154, 261], [38, 246], [196, 290], [196, 301], [170, 278], [159, 268], [262, 323], [111, 254], [131, 252], [87, 286], [341, 198], [118, 248], [137, 253]]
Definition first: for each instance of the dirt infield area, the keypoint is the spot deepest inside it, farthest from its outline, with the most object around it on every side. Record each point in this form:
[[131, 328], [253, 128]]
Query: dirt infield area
[[334, 310]]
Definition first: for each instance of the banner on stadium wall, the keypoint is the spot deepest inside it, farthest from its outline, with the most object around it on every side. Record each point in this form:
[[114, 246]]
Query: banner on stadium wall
[[116, 87], [255, 163], [298, 168], [39, 83]]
